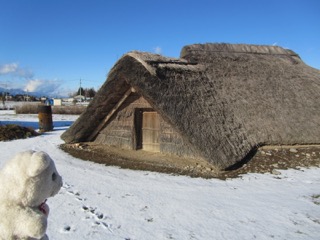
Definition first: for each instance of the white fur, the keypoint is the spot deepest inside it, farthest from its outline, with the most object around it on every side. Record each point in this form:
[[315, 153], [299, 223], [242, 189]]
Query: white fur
[[26, 181]]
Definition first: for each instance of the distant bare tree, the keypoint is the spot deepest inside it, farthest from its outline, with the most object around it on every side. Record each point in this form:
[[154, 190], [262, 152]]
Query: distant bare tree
[[90, 92]]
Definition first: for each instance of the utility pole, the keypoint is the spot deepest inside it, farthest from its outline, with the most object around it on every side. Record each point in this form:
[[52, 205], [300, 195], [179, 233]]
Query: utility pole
[[80, 87], [6, 97]]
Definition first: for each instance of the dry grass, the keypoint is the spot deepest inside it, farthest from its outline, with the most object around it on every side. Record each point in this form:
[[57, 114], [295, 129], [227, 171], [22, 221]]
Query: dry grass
[[27, 109], [70, 110], [33, 109], [12, 132]]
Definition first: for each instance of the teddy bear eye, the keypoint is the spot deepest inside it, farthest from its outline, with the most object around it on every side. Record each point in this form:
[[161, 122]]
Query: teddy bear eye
[[54, 176]]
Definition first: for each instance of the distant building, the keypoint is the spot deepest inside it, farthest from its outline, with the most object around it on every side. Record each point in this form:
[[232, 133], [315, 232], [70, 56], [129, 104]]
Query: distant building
[[49, 101], [57, 101], [79, 98]]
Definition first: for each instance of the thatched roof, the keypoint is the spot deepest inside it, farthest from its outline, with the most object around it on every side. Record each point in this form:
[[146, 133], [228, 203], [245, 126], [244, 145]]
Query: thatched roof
[[224, 99]]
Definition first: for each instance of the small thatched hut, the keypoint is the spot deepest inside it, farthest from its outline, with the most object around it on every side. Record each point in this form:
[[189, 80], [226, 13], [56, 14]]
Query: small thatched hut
[[217, 102]]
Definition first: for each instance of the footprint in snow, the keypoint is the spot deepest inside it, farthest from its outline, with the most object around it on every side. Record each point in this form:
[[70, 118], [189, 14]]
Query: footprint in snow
[[97, 217], [67, 229], [91, 213]]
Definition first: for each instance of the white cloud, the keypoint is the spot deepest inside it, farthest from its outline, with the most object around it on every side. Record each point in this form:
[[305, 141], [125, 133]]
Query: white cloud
[[45, 87], [13, 68], [33, 85], [22, 78], [8, 68], [157, 50]]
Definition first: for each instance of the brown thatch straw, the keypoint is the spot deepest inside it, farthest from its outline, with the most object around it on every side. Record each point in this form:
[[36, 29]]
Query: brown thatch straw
[[224, 99]]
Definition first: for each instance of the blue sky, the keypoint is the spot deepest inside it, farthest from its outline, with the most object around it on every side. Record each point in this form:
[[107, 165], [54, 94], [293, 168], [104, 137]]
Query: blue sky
[[49, 45]]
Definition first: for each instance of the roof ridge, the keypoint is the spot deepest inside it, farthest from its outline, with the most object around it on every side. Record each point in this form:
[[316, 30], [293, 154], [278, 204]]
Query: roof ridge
[[245, 52], [237, 49]]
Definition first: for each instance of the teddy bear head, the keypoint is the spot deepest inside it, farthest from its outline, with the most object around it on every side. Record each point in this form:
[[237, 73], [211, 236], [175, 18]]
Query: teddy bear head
[[29, 179]]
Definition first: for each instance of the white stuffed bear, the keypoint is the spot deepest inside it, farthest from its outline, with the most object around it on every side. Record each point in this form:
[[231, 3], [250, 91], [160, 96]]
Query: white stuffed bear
[[26, 182]]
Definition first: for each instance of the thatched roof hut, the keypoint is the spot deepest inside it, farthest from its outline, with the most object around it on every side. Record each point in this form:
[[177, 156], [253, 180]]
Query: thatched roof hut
[[217, 102]]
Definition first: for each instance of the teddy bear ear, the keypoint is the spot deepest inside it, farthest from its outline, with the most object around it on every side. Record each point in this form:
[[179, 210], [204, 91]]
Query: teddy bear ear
[[38, 163]]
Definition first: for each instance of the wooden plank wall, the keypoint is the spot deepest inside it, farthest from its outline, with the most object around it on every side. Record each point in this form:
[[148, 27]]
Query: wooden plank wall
[[120, 131]]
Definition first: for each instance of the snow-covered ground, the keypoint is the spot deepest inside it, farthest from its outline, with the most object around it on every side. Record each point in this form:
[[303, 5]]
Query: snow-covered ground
[[99, 202]]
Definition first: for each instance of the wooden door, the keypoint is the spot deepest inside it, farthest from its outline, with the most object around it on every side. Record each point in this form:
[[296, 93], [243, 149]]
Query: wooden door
[[150, 131]]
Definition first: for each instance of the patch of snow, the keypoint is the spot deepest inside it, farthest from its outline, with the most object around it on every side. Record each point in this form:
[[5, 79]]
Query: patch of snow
[[100, 202]]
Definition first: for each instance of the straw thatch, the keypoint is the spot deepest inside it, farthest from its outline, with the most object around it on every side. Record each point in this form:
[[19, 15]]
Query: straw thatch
[[224, 99]]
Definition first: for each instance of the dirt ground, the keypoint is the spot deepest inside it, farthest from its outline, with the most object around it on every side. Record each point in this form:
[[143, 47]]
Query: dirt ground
[[268, 159]]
